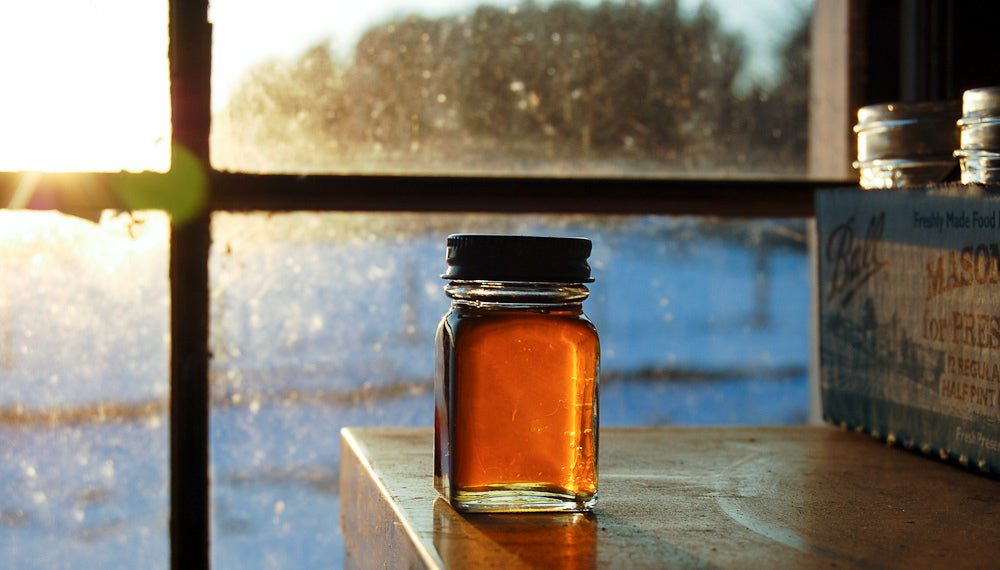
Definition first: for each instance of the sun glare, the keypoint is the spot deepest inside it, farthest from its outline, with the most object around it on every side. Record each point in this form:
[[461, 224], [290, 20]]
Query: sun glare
[[108, 244], [86, 86]]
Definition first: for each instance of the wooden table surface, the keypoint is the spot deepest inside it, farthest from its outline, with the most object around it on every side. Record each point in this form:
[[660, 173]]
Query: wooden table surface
[[791, 497]]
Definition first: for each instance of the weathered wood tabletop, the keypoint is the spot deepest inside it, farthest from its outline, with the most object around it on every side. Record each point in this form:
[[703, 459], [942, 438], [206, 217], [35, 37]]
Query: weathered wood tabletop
[[684, 497]]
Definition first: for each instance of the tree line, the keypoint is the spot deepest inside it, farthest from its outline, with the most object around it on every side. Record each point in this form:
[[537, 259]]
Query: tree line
[[630, 83]]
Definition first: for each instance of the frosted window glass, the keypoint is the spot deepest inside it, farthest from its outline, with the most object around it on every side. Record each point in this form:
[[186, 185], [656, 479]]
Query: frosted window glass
[[84, 348], [479, 87]]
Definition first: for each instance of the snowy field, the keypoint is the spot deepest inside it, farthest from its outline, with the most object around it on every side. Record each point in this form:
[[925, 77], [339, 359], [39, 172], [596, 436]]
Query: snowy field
[[315, 327]]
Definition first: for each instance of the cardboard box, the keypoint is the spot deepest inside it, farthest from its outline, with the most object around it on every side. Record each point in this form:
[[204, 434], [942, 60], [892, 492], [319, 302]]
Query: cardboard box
[[910, 318]]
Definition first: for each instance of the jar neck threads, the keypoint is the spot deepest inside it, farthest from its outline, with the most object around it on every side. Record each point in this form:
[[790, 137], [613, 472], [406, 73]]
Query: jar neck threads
[[511, 294]]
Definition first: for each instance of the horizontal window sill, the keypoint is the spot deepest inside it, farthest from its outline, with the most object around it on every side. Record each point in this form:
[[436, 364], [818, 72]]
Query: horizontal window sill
[[681, 497]]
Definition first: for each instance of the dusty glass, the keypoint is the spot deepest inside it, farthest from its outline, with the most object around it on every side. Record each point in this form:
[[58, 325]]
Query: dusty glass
[[498, 88], [84, 390]]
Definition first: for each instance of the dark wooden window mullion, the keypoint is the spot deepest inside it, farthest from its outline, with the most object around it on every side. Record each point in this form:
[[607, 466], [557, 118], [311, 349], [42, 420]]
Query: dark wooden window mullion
[[190, 76], [719, 197]]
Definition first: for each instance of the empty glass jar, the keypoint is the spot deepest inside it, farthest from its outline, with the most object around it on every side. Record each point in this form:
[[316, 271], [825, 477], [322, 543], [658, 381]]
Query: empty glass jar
[[979, 154], [907, 144]]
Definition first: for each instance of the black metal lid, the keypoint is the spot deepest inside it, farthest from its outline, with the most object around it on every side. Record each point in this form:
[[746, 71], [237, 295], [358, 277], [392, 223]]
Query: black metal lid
[[482, 257]]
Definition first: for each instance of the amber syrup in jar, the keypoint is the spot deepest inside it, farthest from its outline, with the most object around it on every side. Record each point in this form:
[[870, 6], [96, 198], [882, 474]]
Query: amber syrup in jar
[[516, 377]]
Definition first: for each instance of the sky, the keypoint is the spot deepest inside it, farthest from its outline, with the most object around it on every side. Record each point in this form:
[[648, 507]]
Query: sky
[[245, 31]]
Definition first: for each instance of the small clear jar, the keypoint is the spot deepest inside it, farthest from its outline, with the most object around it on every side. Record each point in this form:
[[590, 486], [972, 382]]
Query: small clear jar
[[907, 144], [516, 377], [979, 154]]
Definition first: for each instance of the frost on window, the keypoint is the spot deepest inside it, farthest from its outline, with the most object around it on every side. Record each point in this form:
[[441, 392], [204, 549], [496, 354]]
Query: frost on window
[[84, 386], [649, 88], [320, 321]]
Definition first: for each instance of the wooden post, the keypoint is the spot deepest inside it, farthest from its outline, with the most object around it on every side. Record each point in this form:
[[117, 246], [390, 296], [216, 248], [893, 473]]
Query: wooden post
[[190, 79]]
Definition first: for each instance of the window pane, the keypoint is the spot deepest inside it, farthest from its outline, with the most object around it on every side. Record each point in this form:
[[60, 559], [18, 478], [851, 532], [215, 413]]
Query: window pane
[[84, 317], [326, 320], [656, 88], [85, 86]]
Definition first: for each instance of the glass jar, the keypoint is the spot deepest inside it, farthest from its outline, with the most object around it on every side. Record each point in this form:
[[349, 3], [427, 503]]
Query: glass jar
[[979, 154], [904, 145], [516, 377]]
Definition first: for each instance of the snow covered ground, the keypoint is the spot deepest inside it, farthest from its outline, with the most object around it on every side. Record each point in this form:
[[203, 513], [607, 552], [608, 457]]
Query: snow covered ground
[[316, 328]]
